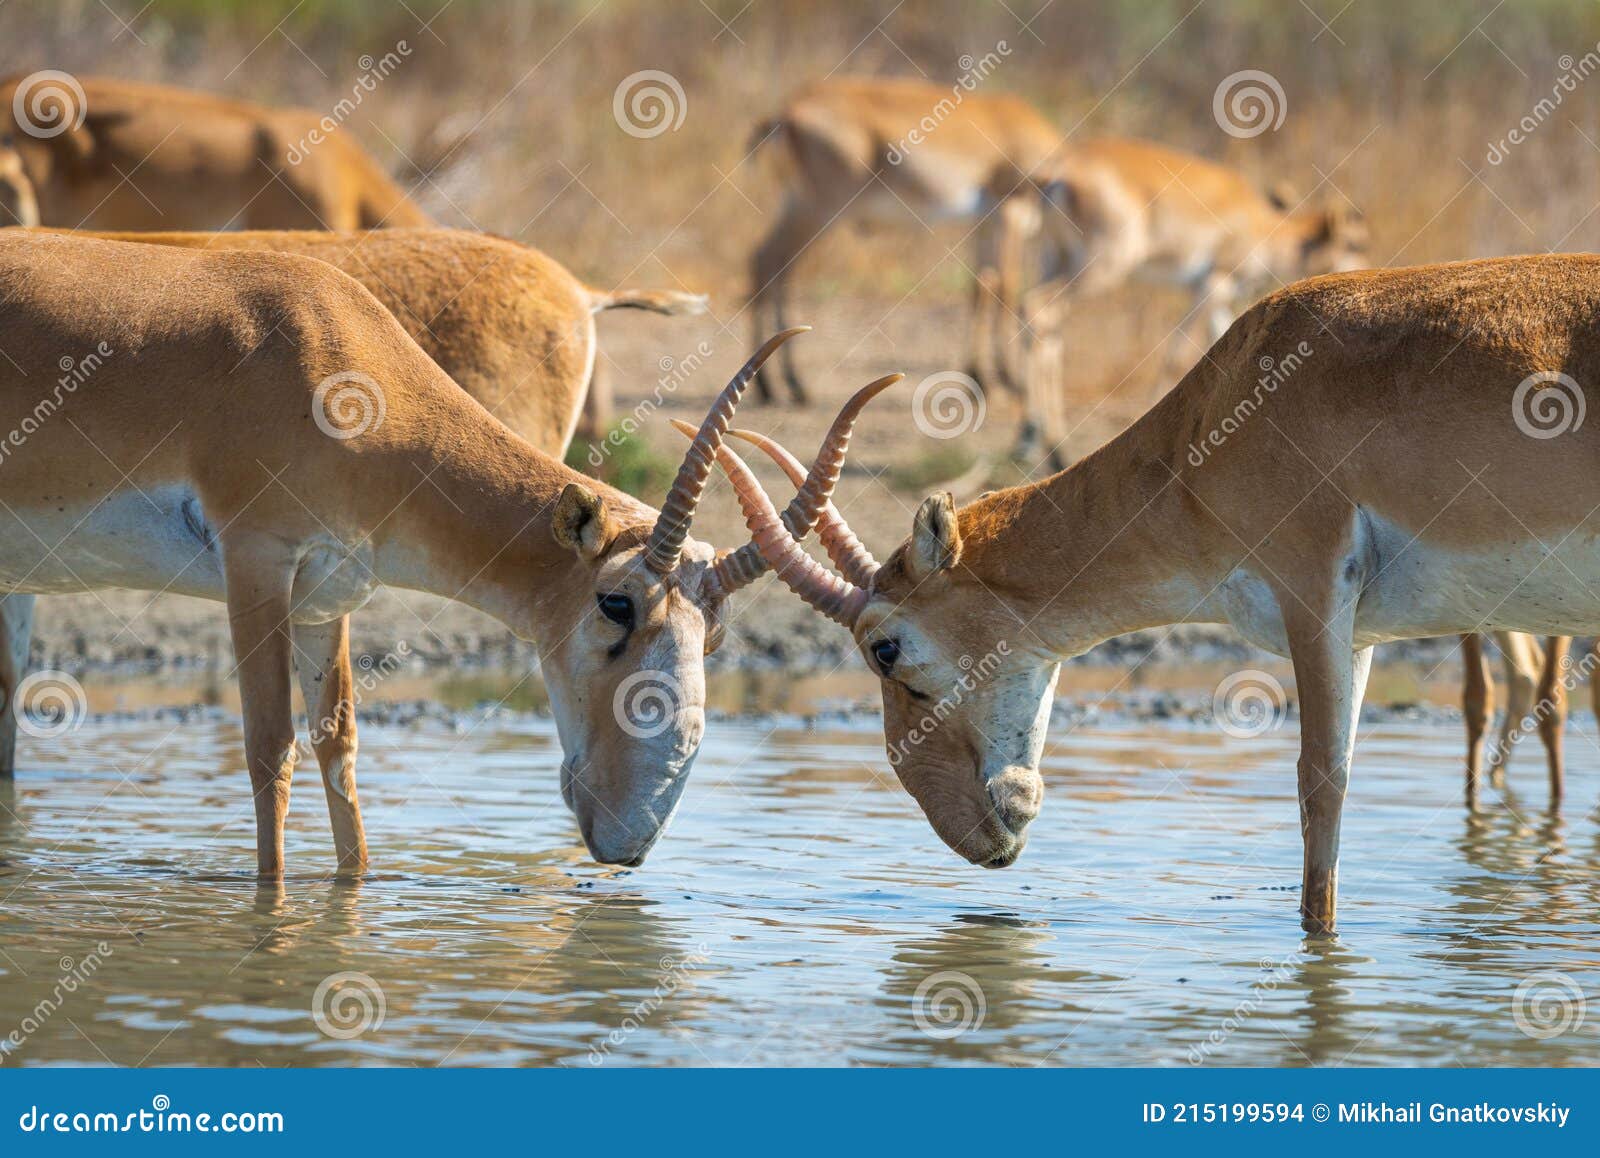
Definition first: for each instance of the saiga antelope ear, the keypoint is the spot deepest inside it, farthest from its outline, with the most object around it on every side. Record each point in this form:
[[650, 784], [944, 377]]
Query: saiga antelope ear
[[935, 538], [581, 523]]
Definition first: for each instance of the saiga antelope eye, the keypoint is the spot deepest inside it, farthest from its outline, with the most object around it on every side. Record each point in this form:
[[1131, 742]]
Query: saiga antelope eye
[[885, 651], [618, 609]]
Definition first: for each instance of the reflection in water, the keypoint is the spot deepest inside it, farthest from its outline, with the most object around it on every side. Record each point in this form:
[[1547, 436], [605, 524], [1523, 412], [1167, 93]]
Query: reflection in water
[[799, 912]]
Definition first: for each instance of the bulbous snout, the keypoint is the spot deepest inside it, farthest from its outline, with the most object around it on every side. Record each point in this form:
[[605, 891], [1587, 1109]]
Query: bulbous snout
[[1016, 794]]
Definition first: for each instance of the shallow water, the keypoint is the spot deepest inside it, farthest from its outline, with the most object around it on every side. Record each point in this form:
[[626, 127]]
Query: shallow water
[[799, 911]]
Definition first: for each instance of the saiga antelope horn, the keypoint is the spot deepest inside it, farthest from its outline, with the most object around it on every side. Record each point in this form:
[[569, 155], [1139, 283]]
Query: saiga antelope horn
[[665, 545], [810, 507], [838, 599]]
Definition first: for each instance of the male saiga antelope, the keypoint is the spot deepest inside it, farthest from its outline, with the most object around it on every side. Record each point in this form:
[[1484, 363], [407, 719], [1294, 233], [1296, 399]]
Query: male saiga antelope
[[881, 150], [256, 428], [99, 153], [509, 325], [1386, 491], [1112, 210]]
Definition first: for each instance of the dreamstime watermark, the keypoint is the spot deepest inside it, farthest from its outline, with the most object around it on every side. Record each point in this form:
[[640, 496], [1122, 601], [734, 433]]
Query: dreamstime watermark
[[347, 405], [1548, 404], [647, 703], [1572, 674], [73, 975], [347, 1005], [372, 71], [675, 971], [674, 373], [648, 103], [49, 103], [1274, 373], [1249, 703], [973, 673], [1572, 73], [49, 704], [368, 674], [1248, 103], [948, 1004], [1274, 974], [1547, 1005], [948, 404], [974, 71], [74, 373]]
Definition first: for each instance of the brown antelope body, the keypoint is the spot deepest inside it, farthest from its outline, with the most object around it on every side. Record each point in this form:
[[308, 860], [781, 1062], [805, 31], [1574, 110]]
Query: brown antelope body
[[130, 156], [1113, 210], [1389, 490], [509, 324], [870, 149], [256, 428]]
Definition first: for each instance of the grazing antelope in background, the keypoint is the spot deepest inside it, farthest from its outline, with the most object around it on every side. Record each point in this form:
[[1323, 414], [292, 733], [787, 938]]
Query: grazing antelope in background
[[256, 428], [1388, 491], [872, 149], [1113, 210], [100, 153], [510, 325]]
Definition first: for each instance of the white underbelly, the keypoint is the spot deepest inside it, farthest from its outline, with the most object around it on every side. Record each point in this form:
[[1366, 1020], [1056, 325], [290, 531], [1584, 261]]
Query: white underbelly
[[1425, 589], [160, 540], [1421, 589], [132, 539]]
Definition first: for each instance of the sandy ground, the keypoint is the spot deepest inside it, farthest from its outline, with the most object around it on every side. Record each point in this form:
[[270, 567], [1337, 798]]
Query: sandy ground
[[1115, 361]]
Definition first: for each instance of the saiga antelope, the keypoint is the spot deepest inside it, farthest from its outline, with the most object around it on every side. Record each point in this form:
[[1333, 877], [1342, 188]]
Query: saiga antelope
[[1113, 210], [875, 150], [256, 428], [100, 153], [1536, 686], [1388, 491], [507, 323]]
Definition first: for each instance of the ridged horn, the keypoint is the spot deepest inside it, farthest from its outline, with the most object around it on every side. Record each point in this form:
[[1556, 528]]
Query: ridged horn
[[810, 507], [838, 599], [665, 545]]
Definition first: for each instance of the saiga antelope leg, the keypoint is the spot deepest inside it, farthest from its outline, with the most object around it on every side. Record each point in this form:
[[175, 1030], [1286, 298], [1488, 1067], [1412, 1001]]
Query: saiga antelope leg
[[322, 657], [1477, 707], [1046, 419], [1331, 678], [259, 578], [770, 270], [16, 636], [1524, 662], [1551, 710], [1018, 240]]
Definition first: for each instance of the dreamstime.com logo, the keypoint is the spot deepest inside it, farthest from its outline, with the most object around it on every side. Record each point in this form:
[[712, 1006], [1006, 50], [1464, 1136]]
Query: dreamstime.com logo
[[649, 103], [1548, 404], [1548, 1005], [948, 404], [49, 103], [647, 703], [347, 1005], [1248, 103], [948, 1004], [49, 704], [1249, 703], [347, 405]]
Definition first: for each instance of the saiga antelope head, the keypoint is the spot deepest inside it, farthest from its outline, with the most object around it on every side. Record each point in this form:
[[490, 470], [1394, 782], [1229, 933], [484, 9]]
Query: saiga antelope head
[[628, 628], [965, 702]]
